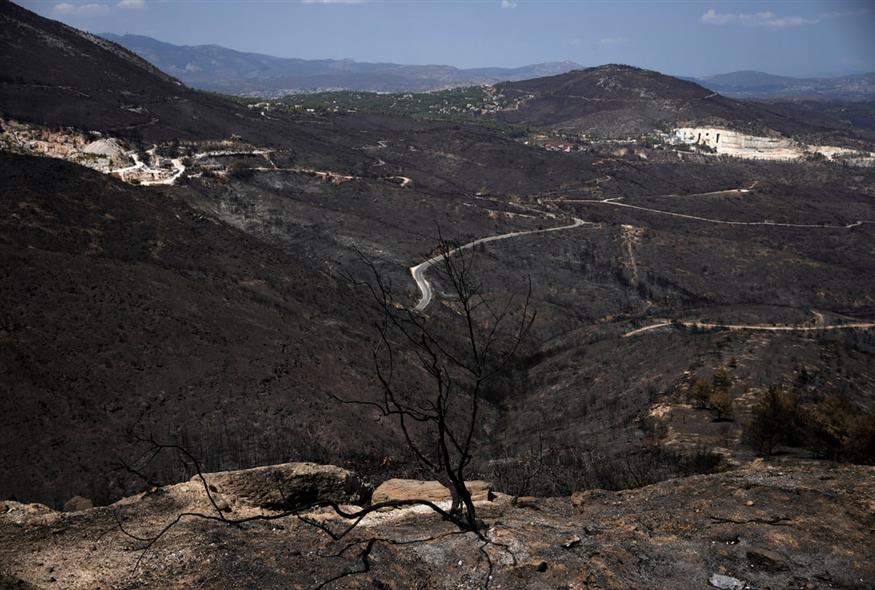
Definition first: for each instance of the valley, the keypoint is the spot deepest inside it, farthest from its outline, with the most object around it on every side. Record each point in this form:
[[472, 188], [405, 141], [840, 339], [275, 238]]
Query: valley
[[638, 266]]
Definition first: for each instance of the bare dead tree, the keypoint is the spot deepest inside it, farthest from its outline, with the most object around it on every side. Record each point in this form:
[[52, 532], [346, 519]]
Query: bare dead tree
[[440, 416], [337, 532], [439, 422], [216, 514]]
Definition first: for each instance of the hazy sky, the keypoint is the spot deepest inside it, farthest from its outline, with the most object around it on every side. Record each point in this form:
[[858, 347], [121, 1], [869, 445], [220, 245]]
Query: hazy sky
[[688, 38]]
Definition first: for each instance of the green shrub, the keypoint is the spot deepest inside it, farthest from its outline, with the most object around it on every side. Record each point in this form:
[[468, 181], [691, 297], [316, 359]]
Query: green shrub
[[836, 429], [827, 426], [721, 379]]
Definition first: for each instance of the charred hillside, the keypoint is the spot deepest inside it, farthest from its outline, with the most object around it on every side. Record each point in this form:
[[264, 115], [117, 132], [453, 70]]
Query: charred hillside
[[52, 74], [206, 298], [124, 310], [616, 100]]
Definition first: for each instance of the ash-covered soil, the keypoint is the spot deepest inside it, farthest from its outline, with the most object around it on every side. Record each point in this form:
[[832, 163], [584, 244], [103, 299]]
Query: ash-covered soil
[[763, 526]]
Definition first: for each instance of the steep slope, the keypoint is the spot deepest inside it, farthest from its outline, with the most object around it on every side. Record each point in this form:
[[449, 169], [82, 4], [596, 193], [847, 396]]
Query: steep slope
[[123, 309], [52, 74], [213, 67], [617, 100]]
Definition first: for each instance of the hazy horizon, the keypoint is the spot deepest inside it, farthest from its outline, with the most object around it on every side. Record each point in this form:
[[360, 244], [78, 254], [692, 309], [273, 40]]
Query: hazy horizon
[[680, 38]]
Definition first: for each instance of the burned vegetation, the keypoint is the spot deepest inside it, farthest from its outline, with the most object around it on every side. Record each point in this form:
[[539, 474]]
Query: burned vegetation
[[247, 344]]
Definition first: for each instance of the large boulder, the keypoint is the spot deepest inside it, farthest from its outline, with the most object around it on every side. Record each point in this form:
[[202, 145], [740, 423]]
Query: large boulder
[[289, 486], [432, 491]]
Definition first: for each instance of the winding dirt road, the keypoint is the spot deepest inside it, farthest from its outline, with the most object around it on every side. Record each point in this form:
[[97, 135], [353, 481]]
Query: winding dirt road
[[426, 293], [753, 327], [180, 170], [615, 202], [178, 166], [820, 324]]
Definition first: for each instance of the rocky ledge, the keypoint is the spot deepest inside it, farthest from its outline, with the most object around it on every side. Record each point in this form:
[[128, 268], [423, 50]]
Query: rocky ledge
[[761, 526]]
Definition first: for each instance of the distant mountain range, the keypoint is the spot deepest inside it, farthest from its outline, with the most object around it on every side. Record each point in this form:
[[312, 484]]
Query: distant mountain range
[[212, 67], [216, 68], [751, 84]]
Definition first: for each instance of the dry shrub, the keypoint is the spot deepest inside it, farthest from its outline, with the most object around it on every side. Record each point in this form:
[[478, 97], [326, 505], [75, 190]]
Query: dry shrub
[[713, 396], [833, 428], [777, 419], [720, 402], [700, 392], [563, 471]]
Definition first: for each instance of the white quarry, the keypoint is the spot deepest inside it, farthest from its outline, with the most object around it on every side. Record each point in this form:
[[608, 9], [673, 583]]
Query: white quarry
[[108, 155], [727, 142], [108, 148]]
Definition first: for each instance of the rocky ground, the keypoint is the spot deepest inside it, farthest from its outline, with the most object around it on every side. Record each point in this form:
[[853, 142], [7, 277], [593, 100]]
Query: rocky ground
[[760, 526]]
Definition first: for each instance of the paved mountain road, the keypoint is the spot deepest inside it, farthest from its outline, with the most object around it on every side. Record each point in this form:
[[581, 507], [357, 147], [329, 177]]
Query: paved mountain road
[[418, 271], [427, 292]]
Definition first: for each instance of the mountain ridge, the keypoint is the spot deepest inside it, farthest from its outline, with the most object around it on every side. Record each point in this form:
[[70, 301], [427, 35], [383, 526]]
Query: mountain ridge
[[762, 85], [217, 68], [125, 95], [222, 69]]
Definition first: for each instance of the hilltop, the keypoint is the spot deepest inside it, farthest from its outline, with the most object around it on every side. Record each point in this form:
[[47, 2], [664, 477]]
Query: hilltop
[[616, 100]]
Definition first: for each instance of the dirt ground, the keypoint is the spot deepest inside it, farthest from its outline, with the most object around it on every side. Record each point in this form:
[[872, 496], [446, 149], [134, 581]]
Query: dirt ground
[[767, 525]]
